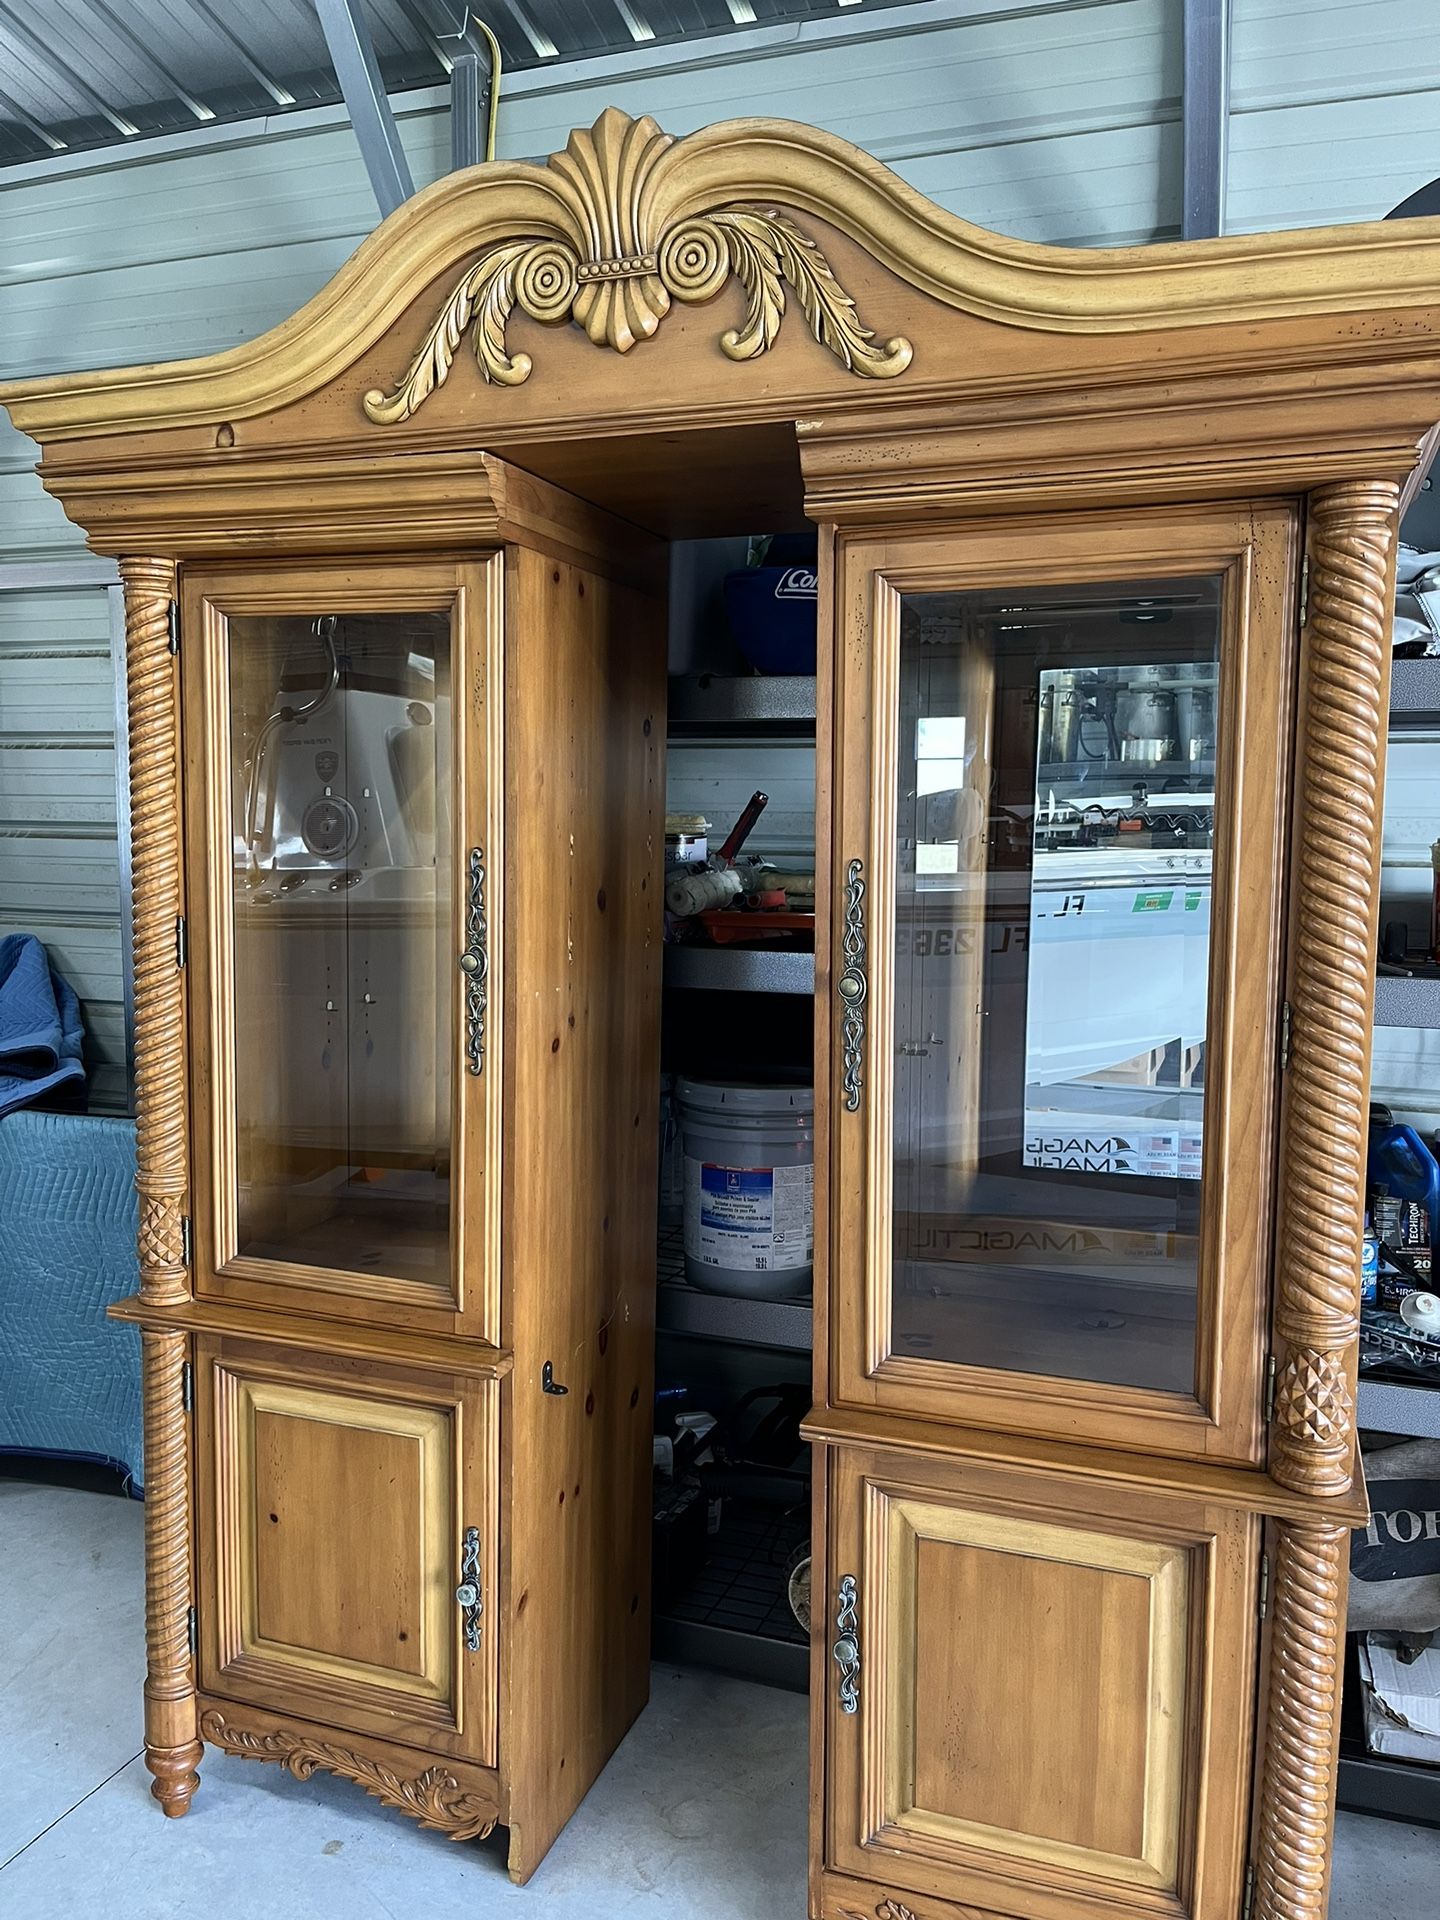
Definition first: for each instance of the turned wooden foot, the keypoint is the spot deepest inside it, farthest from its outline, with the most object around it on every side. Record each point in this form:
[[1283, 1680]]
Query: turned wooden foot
[[176, 1771]]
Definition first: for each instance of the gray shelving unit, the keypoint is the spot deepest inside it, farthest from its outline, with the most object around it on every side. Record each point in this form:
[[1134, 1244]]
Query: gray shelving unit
[[700, 702], [1395, 1406], [1414, 691], [681, 1308], [740, 969], [1402, 1002], [1368, 1782], [735, 1617]]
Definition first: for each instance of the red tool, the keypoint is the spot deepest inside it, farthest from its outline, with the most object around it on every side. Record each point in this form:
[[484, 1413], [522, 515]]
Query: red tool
[[742, 829]]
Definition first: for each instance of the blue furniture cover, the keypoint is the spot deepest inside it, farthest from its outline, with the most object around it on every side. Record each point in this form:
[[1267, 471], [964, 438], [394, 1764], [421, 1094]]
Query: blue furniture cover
[[42, 1036], [69, 1378]]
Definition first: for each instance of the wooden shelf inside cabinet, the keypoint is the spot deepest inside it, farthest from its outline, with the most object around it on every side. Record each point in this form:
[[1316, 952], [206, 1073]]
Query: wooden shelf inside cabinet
[[1398, 1406], [1415, 690], [681, 1308], [714, 702], [740, 969], [1402, 1001]]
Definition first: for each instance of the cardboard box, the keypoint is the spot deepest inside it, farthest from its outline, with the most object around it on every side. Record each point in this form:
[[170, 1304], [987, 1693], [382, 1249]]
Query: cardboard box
[[1402, 1703]]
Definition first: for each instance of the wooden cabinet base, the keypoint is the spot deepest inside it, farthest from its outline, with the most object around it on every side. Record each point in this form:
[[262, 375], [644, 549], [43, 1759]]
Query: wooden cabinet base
[[841, 1898], [448, 1796], [1046, 1698]]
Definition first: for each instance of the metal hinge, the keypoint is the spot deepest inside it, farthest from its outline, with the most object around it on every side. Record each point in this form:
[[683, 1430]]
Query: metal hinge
[[192, 1631], [182, 941], [1270, 1372], [1304, 590], [1249, 1899], [1264, 1607], [187, 1387], [187, 1241], [1284, 1035], [173, 622]]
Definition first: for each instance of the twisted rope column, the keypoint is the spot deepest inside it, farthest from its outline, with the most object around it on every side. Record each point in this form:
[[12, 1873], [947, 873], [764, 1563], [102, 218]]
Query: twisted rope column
[[1297, 1794], [1317, 1299], [172, 1744]]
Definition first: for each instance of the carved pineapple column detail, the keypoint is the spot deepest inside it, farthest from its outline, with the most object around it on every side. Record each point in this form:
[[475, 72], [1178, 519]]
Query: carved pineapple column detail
[[172, 1744], [1317, 1306]]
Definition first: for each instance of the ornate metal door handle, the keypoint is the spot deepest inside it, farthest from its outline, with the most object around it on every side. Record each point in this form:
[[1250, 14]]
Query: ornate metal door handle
[[475, 964], [846, 1650], [852, 987], [467, 1594]]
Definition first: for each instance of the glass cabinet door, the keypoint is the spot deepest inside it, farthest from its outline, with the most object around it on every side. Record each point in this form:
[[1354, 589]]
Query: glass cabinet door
[[343, 879], [1068, 829], [338, 863]]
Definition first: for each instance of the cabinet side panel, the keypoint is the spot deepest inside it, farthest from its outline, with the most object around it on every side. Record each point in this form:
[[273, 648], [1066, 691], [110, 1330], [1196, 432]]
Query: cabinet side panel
[[584, 773]]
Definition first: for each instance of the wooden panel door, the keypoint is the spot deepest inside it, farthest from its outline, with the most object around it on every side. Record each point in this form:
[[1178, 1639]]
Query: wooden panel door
[[334, 1513], [343, 727], [1057, 868], [1040, 1702]]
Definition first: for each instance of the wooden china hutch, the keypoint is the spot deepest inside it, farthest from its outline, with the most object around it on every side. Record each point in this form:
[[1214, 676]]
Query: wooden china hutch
[[1106, 545]]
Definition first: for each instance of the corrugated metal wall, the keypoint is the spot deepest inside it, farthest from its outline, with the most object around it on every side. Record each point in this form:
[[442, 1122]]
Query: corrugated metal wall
[[1056, 122]]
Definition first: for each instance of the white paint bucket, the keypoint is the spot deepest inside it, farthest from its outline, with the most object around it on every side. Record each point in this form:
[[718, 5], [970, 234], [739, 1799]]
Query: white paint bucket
[[749, 1187]]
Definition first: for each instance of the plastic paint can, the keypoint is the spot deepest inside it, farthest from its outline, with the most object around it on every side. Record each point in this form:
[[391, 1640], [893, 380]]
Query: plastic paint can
[[749, 1187]]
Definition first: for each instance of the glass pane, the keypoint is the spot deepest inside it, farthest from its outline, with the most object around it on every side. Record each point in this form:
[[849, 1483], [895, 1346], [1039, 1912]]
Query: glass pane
[[1055, 817], [340, 747]]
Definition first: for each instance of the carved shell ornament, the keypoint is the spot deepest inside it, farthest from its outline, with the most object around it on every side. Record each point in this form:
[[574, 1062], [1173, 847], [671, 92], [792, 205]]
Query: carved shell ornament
[[621, 252]]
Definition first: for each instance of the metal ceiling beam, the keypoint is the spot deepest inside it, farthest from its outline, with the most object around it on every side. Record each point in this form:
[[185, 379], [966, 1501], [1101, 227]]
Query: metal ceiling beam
[[636, 25], [473, 55], [542, 45], [12, 110], [47, 57], [282, 96], [1205, 117], [352, 54], [148, 57], [422, 26]]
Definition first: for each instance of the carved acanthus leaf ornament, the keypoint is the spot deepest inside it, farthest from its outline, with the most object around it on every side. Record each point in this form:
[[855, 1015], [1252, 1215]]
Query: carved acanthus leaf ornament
[[623, 248], [435, 1797]]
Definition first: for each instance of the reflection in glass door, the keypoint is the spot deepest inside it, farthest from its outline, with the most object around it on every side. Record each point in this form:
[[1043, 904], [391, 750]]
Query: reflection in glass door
[[1055, 826], [340, 730]]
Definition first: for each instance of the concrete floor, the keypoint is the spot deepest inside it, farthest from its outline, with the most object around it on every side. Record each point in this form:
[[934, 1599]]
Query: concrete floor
[[700, 1816]]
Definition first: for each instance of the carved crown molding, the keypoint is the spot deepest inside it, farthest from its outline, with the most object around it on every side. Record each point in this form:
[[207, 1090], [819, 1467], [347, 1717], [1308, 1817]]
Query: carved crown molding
[[635, 220], [623, 259]]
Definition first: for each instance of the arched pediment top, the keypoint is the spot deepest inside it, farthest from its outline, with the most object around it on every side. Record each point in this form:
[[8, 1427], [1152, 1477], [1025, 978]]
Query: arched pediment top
[[628, 220]]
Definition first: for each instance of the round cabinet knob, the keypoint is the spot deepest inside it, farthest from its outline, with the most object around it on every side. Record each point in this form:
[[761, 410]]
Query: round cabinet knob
[[850, 986], [470, 962], [467, 1594], [846, 1650]]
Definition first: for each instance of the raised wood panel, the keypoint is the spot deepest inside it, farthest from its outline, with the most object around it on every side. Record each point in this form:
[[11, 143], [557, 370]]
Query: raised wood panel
[[334, 1498], [1055, 1692], [977, 1758], [305, 1593], [1252, 548]]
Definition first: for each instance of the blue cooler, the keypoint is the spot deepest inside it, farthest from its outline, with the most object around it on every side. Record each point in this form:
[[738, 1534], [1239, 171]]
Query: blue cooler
[[771, 611]]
